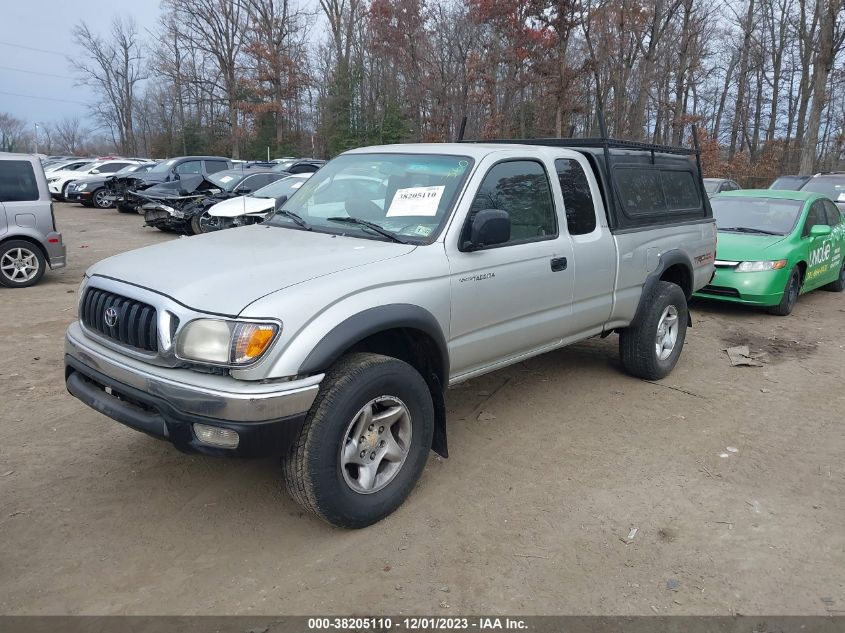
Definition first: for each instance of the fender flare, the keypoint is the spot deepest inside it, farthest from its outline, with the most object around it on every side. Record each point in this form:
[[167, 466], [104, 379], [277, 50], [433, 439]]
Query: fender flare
[[372, 321], [667, 259]]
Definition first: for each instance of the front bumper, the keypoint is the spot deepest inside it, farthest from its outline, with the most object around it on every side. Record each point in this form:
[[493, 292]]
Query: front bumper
[[166, 403], [763, 288], [77, 196]]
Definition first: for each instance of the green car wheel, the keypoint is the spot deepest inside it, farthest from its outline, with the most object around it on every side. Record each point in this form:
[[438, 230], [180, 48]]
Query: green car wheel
[[790, 294]]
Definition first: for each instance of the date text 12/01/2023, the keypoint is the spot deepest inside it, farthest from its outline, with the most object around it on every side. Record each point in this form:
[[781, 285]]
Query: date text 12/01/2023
[[415, 623]]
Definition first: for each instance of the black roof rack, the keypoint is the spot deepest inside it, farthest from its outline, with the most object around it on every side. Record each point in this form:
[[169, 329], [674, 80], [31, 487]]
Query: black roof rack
[[595, 142]]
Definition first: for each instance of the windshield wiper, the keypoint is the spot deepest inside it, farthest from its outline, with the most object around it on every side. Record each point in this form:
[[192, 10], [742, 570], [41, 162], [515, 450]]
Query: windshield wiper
[[295, 217], [747, 229], [370, 225]]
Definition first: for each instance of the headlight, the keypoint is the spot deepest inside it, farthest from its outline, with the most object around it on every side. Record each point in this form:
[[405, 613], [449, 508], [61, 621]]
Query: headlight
[[756, 267], [81, 187], [53, 179], [225, 342]]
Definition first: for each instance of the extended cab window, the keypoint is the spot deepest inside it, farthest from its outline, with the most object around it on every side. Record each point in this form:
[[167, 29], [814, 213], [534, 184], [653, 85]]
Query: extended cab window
[[17, 181], [657, 192], [577, 197], [520, 187]]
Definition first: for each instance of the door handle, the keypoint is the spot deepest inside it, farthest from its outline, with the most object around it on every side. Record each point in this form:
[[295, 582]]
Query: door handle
[[558, 264]]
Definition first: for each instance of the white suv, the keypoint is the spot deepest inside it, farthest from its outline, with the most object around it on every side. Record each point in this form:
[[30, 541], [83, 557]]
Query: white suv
[[58, 181]]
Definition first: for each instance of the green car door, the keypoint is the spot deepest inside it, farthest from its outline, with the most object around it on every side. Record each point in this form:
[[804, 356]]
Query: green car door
[[822, 244]]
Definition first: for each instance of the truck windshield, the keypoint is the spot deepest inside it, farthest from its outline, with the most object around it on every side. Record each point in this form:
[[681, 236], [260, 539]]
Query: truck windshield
[[763, 216], [408, 196]]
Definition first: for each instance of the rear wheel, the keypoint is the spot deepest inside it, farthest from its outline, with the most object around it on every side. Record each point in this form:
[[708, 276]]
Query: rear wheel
[[21, 264], [790, 294], [364, 443], [650, 348]]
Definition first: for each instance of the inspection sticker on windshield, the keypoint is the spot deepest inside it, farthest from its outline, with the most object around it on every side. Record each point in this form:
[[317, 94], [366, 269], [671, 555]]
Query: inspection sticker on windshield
[[226, 178], [416, 201]]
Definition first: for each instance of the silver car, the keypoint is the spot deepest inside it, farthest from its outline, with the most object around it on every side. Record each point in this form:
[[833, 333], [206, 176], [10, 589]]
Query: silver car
[[329, 333], [29, 241]]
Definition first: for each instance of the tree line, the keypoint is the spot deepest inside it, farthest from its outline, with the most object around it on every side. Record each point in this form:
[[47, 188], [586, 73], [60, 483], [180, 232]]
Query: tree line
[[764, 80]]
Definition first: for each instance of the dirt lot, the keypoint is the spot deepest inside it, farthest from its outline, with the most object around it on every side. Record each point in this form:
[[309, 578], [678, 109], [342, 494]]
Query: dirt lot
[[530, 515]]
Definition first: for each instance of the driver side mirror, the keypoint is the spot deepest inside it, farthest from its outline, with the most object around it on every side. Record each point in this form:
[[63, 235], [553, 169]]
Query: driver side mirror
[[94, 171], [820, 230], [242, 191], [280, 201], [489, 227]]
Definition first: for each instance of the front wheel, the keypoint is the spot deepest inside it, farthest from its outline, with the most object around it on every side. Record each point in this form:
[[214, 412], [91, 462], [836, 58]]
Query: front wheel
[[206, 223], [101, 199], [790, 294], [364, 443], [650, 348]]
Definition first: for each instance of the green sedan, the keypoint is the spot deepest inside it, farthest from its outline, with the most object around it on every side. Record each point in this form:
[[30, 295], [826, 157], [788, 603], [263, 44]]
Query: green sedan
[[775, 245]]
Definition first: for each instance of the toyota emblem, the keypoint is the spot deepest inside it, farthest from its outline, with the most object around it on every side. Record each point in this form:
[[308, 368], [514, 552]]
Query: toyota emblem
[[111, 317]]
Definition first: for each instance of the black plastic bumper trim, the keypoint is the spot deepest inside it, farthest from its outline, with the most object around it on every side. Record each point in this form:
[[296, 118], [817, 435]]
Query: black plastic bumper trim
[[156, 417]]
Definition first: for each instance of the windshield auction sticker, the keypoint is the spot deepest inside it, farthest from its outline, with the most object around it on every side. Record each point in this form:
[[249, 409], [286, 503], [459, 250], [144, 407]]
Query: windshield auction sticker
[[416, 201]]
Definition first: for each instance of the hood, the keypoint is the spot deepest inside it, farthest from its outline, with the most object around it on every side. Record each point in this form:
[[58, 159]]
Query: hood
[[738, 247], [187, 186], [242, 205], [95, 179], [224, 271]]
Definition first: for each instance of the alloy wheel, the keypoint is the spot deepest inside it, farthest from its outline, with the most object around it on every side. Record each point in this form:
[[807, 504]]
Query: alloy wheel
[[376, 444], [667, 333], [19, 265]]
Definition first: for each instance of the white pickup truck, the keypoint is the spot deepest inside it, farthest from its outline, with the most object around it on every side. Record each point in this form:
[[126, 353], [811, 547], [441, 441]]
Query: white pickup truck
[[328, 333]]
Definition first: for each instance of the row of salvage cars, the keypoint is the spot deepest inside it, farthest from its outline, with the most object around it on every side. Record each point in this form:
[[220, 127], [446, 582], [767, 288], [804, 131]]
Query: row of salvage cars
[[195, 194]]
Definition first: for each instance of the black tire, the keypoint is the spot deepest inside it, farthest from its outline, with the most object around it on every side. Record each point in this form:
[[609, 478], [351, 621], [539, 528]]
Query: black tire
[[790, 294], [205, 223], [97, 198], [839, 284], [62, 196], [637, 343], [313, 468], [9, 252]]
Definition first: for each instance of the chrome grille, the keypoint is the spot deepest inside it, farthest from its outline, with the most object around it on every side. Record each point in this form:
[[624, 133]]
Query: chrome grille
[[135, 322]]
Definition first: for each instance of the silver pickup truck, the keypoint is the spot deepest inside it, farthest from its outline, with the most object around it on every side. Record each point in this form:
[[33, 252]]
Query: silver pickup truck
[[329, 333]]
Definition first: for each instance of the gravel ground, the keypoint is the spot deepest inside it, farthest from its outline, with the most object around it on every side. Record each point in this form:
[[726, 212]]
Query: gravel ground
[[554, 463]]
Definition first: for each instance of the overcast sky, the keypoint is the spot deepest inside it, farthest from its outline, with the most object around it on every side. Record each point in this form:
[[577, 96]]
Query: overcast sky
[[46, 25]]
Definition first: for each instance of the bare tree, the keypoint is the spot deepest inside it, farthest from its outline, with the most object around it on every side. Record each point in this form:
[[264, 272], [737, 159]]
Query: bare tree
[[218, 28], [831, 37], [12, 133], [113, 66], [70, 135]]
